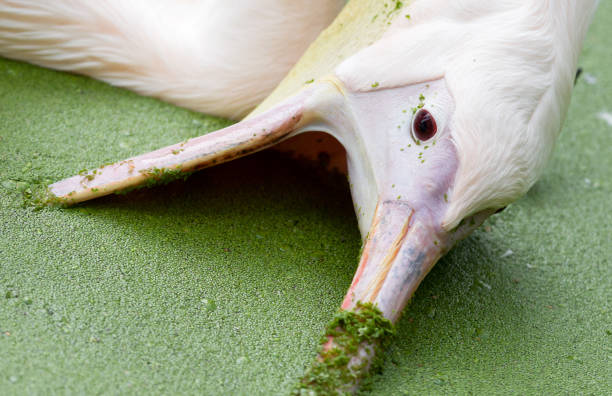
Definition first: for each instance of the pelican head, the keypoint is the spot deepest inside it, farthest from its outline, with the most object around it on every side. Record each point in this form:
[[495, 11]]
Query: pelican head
[[447, 117]]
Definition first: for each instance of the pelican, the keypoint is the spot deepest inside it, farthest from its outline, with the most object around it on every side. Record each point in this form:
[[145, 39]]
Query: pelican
[[447, 113]]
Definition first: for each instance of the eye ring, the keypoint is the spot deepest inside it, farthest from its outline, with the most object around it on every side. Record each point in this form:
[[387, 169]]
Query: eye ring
[[424, 126]]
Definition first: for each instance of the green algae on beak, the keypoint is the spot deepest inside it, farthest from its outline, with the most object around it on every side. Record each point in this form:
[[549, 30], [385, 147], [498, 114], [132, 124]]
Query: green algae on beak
[[179, 160], [39, 195], [352, 342]]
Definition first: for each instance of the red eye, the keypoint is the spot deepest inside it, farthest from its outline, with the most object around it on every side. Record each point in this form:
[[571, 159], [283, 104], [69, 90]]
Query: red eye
[[424, 126]]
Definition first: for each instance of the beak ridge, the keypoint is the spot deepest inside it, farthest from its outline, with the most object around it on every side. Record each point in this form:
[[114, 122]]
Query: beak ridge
[[389, 228], [399, 251]]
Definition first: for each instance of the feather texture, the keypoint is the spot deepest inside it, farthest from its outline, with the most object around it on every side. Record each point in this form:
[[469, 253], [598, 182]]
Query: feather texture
[[510, 67], [212, 56]]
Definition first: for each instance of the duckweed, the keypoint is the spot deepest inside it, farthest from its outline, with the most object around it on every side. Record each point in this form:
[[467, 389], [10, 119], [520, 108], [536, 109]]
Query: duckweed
[[158, 177], [338, 369], [38, 195]]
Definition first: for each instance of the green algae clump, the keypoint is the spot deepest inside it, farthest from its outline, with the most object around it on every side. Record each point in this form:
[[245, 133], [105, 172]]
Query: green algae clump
[[350, 349], [156, 177], [38, 195], [162, 176]]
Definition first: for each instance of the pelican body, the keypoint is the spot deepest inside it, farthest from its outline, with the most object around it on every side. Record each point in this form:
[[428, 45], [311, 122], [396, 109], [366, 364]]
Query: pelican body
[[447, 112], [212, 56]]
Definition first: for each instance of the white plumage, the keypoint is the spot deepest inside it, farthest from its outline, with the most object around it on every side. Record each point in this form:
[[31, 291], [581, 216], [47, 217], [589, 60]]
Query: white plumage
[[211, 56], [510, 67]]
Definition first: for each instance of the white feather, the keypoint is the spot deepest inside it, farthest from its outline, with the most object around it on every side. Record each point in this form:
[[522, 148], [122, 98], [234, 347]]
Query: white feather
[[212, 56], [510, 67]]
